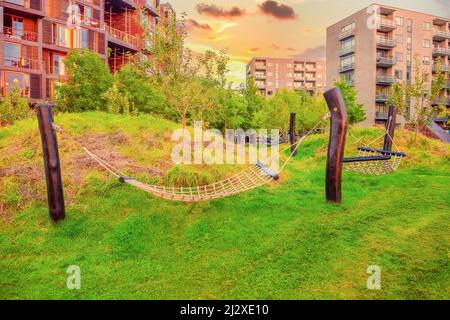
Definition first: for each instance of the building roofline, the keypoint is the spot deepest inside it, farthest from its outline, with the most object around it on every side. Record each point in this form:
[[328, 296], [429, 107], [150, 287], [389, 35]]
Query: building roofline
[[389, 7]]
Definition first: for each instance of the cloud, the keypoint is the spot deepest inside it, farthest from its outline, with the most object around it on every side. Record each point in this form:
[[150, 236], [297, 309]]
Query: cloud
[[250, 50], [191, 23], [275, 47], [215, 11], [318, 53], [278, 10], [290, 49]]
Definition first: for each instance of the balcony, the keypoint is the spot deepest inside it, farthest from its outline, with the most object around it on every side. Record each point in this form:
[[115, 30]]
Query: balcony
[[32, 7], [440, 51], [384, 42], [310, 79], [385, 62], [386, 25], [383, 116], [346, 51], [347, 67], [346, 34], [22, 63], [17, 34], [261, 85], [441, 102], [441, 35], [385, 80], [260, 66], [444, 68], [260, 76], [124, 39], [382, 97]]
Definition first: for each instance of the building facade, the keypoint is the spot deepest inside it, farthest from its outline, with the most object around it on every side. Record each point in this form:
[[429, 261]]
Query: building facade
[[36, 35], [272, 74], [375, 47]]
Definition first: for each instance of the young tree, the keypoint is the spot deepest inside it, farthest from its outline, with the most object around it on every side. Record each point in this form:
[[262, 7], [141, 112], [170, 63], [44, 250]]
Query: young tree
[[14, 106], [356, 112], [254, 102], [88, 78], [415, 100], [117, 102]]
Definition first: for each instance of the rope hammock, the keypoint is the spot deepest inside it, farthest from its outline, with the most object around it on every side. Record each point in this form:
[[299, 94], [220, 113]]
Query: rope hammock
[[254, 176], [375, 162]]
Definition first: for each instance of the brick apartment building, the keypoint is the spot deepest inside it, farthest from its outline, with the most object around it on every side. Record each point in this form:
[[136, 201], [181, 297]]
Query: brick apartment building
[[36, 35], [272, 74], [376, 46]]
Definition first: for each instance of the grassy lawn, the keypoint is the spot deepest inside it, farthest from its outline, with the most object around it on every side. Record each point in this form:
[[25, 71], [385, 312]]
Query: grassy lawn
[[278, 242]]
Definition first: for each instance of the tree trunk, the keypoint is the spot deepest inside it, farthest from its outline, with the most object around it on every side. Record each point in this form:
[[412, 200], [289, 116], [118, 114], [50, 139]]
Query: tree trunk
[[183, 120]]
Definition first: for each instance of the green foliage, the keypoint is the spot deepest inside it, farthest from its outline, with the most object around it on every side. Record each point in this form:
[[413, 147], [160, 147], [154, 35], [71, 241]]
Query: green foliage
[[14, 106], [254, 101], [88, 78], [180, 176], [142, 91], [117, 102], [356, 112]]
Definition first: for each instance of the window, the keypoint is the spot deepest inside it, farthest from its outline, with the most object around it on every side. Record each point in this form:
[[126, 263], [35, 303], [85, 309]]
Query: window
[[14, 79], [347, 61], [12, 55], [399, 38], [398, 74], [399, 21], [348, 44], [84, 38], [348, 27], [61, 36], [426, 60], [426, 26], [426, 43], [399, 56], [57, 64]]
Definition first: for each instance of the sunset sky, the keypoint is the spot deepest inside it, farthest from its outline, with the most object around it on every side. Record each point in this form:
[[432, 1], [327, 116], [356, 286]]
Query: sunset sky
[[283, 28]]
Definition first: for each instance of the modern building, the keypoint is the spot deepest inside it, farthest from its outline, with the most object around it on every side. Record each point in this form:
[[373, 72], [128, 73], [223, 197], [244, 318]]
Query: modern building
[[36, 35], [376, 46], [273, 74]]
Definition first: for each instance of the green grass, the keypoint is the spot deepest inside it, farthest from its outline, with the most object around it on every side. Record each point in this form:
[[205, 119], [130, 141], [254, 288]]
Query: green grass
[[278, 242]]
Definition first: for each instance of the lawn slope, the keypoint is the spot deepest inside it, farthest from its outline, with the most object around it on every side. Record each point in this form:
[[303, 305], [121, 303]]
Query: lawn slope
[[277, 242]]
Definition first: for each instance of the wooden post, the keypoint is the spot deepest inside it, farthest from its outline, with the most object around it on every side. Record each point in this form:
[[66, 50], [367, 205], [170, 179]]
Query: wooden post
[[292, 135], [51, 162], [338, 131], [390, 128]]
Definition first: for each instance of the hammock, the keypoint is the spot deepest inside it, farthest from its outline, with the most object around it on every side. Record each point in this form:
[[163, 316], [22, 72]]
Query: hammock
[[254, 176], [375, 162]]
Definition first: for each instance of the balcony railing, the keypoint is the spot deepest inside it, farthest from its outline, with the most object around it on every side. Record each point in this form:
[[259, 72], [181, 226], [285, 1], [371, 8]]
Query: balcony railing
[[381, 115], [260, 66], [19, 34], [385, 79], [444, 68], [386, 42], [346, 34], [27, 4], [385, 62], [345, 51], [384, 24], [310, 79], [22, 63], [441, 51], [124, 37], [441, 34], [347, 67], [381, 97]]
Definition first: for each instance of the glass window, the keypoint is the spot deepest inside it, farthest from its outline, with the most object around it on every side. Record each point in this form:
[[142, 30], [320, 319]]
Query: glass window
[[12, 54], [399, 38], [426, 26], [348, 27], [84, 43], [426, 60], [14, 79], [399, 21], [399, 56], [426, 43], [398, 74]]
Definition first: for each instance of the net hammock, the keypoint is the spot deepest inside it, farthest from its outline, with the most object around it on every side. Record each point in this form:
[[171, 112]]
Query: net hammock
[[376, 162], [254, 176]]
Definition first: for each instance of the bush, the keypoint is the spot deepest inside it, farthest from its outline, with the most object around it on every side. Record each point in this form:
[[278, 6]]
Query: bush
[[88, 79], [14, 106], [116, 102], [356, 112]]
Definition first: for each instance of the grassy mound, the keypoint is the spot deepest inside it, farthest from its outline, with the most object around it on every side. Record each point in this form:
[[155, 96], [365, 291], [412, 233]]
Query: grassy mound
[[278, 242]]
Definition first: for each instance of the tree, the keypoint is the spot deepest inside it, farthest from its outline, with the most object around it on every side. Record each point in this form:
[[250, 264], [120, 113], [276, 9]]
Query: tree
[[254, 102], [275, 113], [14, 106], [88, 78], [415, 100], [356, 112], [117, 102]]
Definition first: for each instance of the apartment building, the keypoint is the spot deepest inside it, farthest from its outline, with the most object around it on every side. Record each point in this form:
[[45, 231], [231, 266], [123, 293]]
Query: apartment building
[[272, 74], [36, 35], [376, 46]]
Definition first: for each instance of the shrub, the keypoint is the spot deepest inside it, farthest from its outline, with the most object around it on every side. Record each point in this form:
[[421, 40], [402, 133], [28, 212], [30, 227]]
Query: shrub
[[116, 102], [88, 78], [356, 112], [14, 106]]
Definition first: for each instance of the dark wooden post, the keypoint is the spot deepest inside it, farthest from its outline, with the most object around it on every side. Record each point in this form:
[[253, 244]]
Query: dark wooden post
[[338, 131], [51, 162], [292, 135], [390, 128]]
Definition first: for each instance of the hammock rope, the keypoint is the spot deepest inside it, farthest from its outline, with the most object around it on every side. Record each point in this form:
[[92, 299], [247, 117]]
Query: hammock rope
[[254, 176], [378, 167]]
